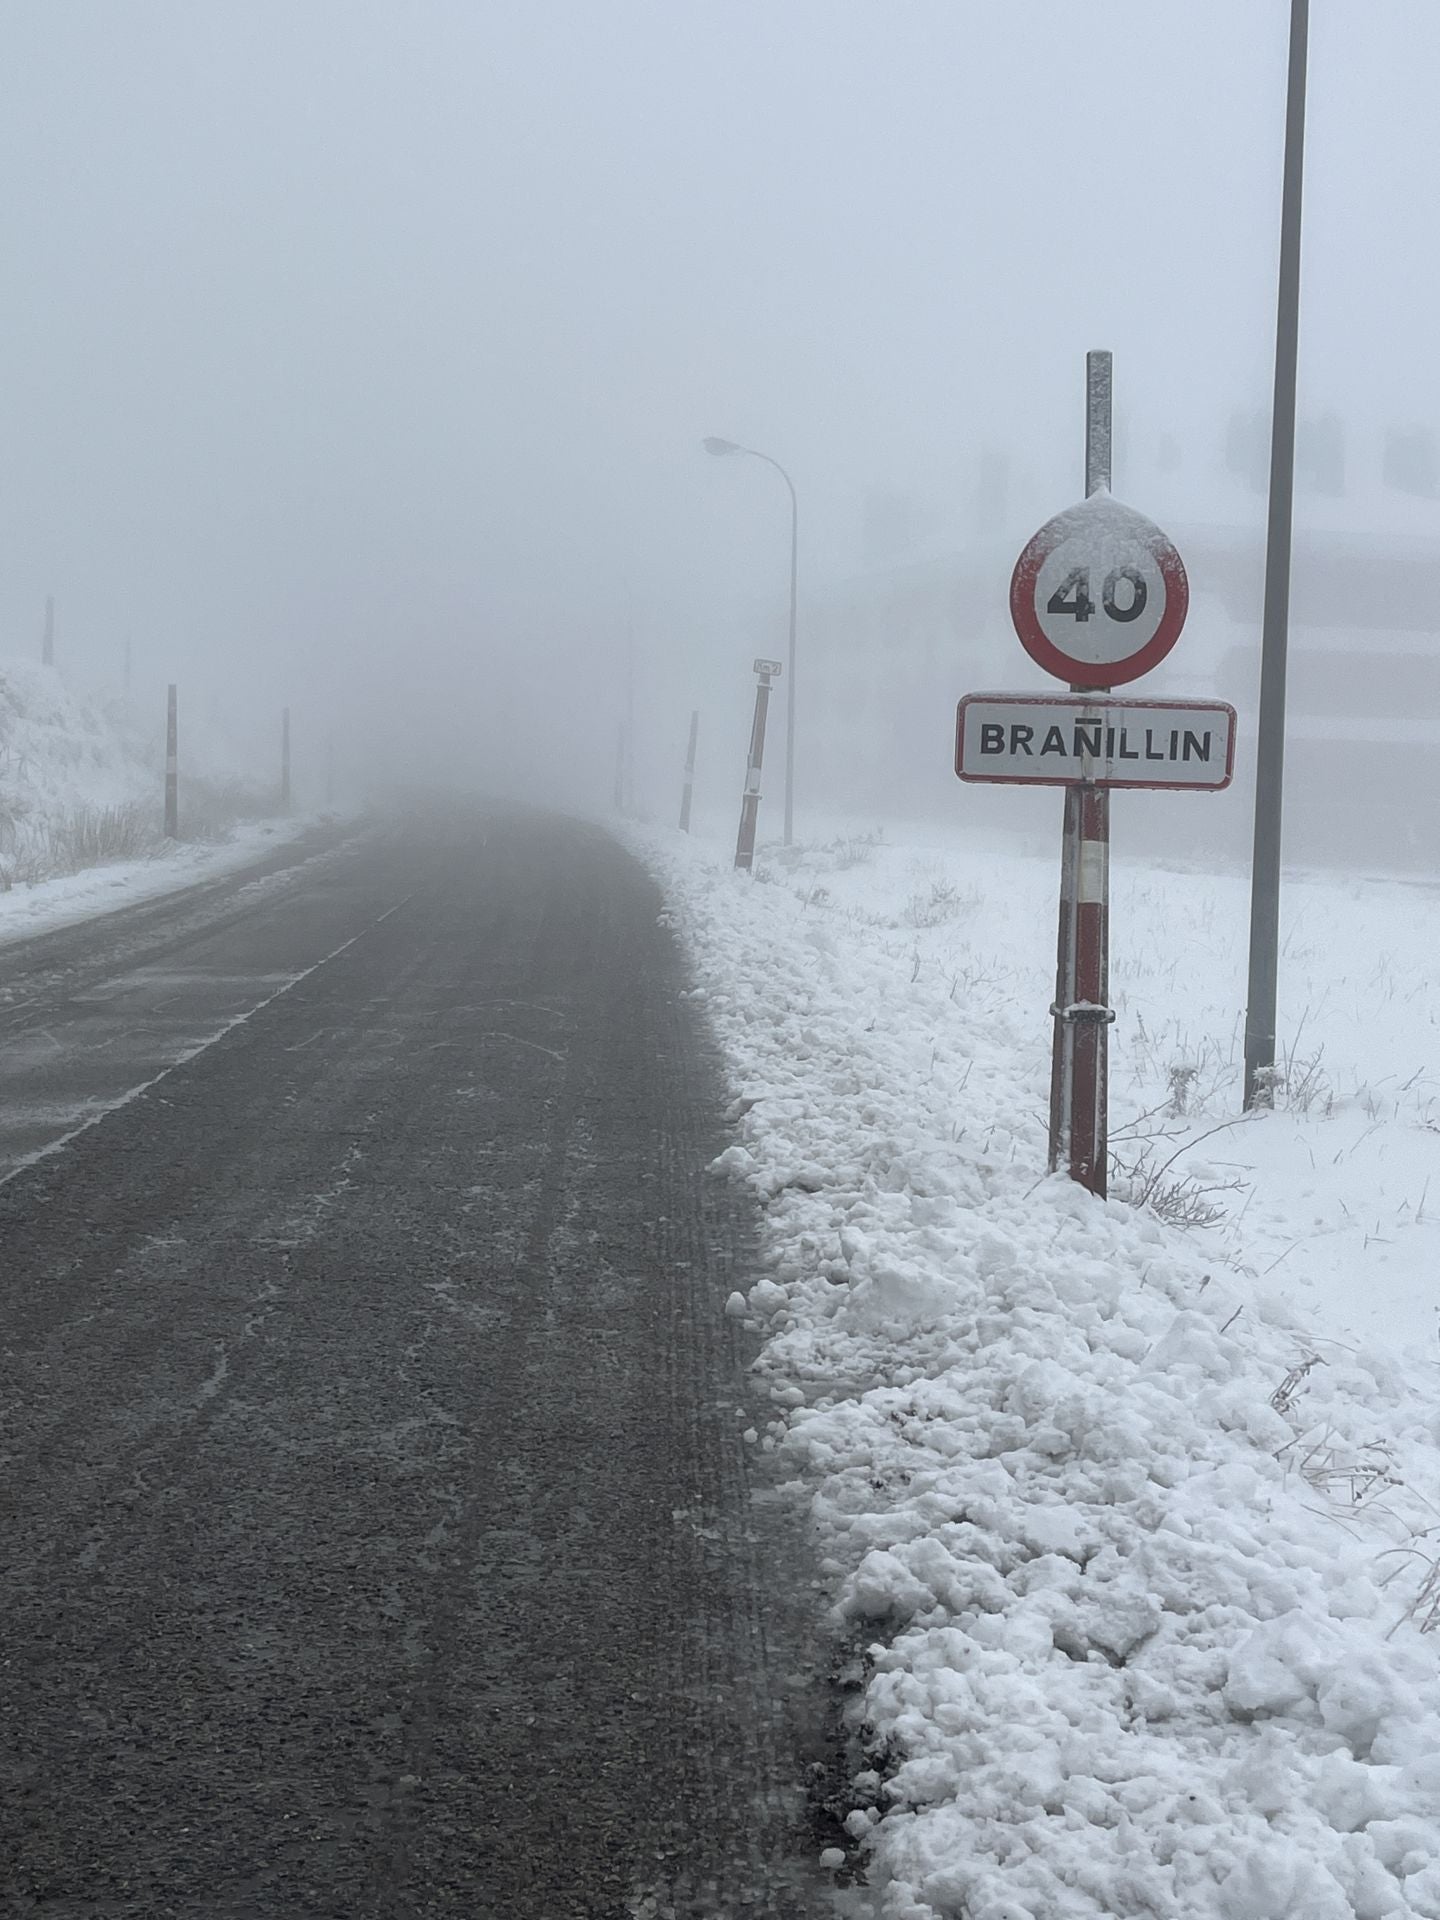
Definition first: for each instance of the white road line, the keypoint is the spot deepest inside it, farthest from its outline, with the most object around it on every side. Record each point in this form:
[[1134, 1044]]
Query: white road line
[[192, 1053]]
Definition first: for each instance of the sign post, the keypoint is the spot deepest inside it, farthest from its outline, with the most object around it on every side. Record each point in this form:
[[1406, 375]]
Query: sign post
[[1098, 597], [766, 671], [1080, 1052]]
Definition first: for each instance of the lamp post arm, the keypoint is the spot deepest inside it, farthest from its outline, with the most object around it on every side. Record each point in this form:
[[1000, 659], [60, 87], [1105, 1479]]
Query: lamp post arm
[[755, 454]]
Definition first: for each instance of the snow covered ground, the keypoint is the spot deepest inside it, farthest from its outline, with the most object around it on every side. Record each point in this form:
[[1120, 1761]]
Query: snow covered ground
[[28, 909], [61, 750], [1133, 1525], [82, 778]]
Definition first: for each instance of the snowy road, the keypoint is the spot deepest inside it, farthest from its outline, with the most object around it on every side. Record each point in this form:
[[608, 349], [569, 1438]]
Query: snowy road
[[377, 1531]]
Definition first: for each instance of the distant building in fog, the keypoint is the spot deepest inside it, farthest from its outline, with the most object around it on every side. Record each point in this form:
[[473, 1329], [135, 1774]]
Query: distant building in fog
[[891, 651]]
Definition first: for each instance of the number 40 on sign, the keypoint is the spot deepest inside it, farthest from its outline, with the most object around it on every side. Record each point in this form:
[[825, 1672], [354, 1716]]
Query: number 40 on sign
[[1099, 595]]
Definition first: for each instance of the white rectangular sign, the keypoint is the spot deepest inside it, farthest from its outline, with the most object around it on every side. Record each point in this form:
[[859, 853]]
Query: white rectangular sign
[[1059, 740]]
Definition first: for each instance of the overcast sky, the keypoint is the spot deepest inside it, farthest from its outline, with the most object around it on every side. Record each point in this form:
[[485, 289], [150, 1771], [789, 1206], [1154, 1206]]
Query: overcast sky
[[345, 341]]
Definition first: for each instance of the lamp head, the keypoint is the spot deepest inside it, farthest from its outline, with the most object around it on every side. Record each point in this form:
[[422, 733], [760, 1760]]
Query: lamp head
[[712, 445]]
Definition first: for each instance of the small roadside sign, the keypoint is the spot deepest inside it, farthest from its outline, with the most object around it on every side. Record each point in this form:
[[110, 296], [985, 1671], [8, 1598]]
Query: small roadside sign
[[1099, 595], [1054, 740], [771, 668]]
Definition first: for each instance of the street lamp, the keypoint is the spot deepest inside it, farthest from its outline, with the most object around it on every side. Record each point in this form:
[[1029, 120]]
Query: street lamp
[[713, 445]]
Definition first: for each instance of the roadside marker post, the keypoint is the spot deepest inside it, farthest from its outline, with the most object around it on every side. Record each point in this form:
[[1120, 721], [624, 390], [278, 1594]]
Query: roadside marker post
[[172, 770], [1098, 598], [766, 672], [689, 787]]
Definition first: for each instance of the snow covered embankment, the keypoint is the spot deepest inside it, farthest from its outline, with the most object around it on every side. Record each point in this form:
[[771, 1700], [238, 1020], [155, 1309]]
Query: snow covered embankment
[[1142, 1591], [72, 787], [81, 808]]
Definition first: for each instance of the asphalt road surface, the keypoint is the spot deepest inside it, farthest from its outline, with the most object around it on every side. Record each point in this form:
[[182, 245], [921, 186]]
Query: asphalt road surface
[[377, 1534]]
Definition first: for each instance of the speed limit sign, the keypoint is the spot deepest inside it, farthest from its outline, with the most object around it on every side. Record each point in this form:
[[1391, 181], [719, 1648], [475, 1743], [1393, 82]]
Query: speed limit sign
[[1099, 595]]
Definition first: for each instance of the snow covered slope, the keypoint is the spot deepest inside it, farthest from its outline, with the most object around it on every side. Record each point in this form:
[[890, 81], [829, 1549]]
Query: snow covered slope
[[61, 756], [1135, 1526], [82, 779]]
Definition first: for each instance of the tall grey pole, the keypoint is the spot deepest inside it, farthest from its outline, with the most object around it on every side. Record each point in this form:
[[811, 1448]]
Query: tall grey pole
[[285, 759], [1270, 736], [47, 645]]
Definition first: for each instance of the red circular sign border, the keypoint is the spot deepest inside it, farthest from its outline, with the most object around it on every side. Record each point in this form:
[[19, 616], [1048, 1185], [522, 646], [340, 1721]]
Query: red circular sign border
[[1081, 673]]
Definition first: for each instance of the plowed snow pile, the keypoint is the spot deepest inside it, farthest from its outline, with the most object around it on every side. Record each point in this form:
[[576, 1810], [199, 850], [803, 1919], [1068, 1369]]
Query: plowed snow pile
[[1135, 1523]]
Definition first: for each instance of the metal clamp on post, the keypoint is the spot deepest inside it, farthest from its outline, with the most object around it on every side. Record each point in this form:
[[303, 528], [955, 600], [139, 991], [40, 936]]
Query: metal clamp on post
[[1084, 1013]]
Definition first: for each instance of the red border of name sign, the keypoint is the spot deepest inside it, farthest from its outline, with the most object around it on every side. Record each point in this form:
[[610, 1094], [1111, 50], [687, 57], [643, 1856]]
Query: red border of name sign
[[1078, 704], [1085, 673]]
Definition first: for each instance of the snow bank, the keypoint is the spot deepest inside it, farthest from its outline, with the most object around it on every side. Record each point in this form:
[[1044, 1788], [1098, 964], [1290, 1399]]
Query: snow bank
[[1139, 1547], [82, 780], [60, 754], [68, 898]]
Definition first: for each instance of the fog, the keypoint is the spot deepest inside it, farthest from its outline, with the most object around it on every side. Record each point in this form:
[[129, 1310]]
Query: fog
[[357, 358]]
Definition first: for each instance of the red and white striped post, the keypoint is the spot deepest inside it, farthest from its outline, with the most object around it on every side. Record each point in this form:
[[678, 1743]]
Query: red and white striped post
[[1080, 1058], [688, 789], [766, 671], [1090, 1013], [1062, 1054]]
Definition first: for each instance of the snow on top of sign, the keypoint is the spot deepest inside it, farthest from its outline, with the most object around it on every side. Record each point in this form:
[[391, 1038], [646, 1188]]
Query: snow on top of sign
[[1109, 528]]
